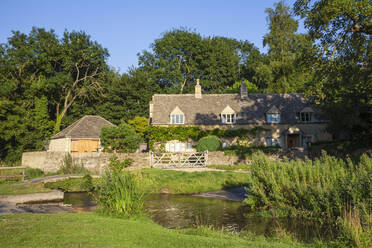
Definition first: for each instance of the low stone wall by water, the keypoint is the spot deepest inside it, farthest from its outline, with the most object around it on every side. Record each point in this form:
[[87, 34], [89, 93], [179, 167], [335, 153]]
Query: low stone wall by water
[[96, 162]]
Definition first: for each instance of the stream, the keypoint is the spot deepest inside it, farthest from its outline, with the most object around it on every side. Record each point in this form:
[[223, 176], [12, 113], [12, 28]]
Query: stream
[[185, 211]]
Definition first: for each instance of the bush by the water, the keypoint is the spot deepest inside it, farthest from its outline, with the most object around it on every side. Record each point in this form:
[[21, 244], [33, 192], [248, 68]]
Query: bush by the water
[[119, 193], [324, 188], [208, 143]]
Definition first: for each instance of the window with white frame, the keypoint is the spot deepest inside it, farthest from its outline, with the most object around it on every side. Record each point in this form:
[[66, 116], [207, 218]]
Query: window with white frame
[[306, 140], [273, 118], [178, 147], [177, 119], [272, 142], [305, 117], [228, 118]]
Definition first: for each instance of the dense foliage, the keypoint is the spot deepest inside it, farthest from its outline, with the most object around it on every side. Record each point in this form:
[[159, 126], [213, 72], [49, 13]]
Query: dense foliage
[[326, 189], [120, 138], [323, 187], [209, 143]]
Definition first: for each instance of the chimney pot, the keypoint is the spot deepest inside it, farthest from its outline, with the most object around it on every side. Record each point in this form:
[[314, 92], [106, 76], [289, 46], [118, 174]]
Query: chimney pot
[[243, 90], [198, 91]]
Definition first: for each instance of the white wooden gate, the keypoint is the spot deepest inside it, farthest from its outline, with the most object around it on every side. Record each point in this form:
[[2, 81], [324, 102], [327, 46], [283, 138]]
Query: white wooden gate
[[178, 159]]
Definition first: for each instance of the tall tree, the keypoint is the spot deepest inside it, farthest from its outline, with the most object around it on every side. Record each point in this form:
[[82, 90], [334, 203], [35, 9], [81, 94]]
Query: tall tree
[[343, 85], [286, 47], [179, 57], [41, 77]]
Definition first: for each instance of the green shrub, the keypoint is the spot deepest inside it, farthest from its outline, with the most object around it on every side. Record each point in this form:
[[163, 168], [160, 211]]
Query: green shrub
[[208, 143], [119, 194], [33, 173], [116, 166], [320, 188], [122, 138], [87, 184], [70, 167]]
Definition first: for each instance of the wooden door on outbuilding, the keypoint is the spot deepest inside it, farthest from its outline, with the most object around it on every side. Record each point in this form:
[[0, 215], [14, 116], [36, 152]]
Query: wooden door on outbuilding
[[84, 145]]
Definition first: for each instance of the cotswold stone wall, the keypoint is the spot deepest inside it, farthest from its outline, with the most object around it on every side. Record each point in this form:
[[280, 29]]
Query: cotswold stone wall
[[220, 158], [96, 162]]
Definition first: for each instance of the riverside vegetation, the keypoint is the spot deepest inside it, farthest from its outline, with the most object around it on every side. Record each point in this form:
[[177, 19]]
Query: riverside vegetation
[[327, 189]]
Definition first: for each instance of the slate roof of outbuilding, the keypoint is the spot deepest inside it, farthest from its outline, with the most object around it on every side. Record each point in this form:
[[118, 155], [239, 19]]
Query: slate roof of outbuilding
[[88, 126], [207, 109]]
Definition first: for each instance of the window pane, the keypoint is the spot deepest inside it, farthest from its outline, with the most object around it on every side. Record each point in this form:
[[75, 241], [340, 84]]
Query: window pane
[[189, 146], [177, 119], [268, 141], [223, 118], [181, 119]]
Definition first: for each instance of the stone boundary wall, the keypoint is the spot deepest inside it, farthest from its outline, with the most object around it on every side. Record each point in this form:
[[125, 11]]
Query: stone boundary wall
[[96, 162]]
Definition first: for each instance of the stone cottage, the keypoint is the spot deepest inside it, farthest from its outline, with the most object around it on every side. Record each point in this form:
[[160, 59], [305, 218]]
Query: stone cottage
[[81, 136], [287, 120]]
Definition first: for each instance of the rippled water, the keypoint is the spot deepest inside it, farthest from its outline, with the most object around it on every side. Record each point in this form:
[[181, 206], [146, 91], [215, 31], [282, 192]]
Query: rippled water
[[183, 211]]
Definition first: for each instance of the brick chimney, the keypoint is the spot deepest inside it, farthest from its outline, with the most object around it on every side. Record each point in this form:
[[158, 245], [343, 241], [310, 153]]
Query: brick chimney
[[198, 91], [243, 90]]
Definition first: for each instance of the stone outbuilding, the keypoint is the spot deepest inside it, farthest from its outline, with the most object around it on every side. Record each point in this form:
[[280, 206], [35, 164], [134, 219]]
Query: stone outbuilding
[[81, 136]]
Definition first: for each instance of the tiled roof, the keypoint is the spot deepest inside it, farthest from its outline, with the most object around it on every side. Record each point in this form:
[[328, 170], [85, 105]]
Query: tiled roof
[[88, 126], [207, 110]]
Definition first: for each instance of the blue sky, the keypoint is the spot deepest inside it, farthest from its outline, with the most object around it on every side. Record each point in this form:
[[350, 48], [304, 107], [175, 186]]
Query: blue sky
[[126, 28]]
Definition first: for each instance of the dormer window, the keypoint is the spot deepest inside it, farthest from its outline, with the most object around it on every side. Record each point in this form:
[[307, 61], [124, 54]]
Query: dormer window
[[177, 116], [176, 119], [273, 115], [273, 118], [306, 115], [228, 116]]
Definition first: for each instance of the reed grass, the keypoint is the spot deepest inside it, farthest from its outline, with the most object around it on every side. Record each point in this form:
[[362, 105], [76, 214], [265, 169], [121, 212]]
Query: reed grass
[[325, 189], [120, 194]]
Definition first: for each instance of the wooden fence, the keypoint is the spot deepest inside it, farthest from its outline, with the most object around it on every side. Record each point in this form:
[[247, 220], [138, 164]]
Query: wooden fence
[[178, 159], [20, 169]]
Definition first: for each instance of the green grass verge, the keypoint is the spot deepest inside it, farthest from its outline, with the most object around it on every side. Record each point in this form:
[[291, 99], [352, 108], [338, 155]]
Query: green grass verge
[[230, 167], [179, 182], [92, 230], [169, 181], [28, 188]]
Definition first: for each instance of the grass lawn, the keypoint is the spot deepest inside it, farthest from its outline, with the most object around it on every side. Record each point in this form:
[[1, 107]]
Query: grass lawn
[[92, 230], [28, 188], [175, 182], [231, 167]]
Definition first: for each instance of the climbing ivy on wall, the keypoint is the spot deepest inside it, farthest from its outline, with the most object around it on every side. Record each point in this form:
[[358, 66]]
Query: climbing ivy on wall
[[182, 133]]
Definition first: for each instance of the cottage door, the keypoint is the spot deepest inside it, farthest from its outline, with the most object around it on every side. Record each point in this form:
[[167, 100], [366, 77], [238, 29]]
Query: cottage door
[[293, 140]]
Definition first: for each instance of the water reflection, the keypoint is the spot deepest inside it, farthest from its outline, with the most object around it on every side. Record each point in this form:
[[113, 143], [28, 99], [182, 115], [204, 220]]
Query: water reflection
[[183, 211]]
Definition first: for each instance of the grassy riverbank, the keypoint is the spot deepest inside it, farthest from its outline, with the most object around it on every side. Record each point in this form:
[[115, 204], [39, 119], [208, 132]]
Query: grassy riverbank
[[18, 189], [92, 230], [169, 181]]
